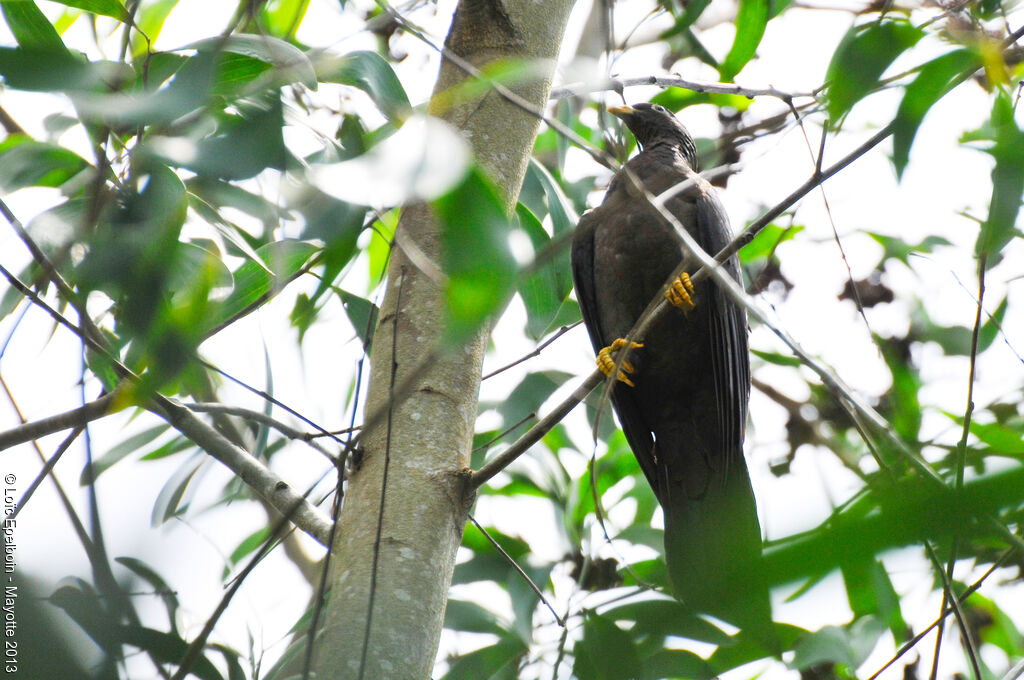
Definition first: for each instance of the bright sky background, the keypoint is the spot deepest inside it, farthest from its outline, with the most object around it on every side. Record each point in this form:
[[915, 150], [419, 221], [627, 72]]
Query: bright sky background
[[942, 180]]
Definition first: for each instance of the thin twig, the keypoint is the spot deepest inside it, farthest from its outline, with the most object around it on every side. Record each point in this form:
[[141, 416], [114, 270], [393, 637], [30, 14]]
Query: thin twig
[[76, 417], [535, 353], [616, 84], [260, 417], [384, 474], [961, 463], [515, 565]]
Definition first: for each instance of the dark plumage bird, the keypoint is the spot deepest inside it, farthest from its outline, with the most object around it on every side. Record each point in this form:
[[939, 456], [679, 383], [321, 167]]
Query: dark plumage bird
[[682, 398]]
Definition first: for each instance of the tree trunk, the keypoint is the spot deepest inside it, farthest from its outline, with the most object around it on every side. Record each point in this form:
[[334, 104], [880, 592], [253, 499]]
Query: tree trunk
[[430, 433]]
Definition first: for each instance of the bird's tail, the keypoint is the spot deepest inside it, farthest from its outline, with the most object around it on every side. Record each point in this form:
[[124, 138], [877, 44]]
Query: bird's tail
[[713, 551]]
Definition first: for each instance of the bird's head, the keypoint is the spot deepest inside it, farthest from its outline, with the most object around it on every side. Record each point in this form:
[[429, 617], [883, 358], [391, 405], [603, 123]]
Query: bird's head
[[653, 124]]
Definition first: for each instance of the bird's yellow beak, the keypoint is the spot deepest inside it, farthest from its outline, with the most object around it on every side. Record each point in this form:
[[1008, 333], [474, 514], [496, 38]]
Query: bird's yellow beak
[[621, 111]]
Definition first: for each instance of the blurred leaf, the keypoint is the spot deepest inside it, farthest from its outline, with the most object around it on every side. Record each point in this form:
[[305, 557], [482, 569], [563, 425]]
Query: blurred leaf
[[677, 663], [160, 587], [371, 73], [291, 65], [690, 14], [107, 8], [663, 617], [471, 617], [30, 26], [904, 409], [499, 661], [776, 358], [82, 603], [930, 85], [40, 69], [246, 547], [186, 92], [1007, 181], [174, 497], [362, 314], [424, 159], [1002, 440], [898, 249], [168, 648], [862, 57], [528, 396], [1000, 630], [150, 19], [539, 289], [253, 281], [848, 646], [486, 563], [605, 652], [246, 143], [475, 254], [766, 241], [118, 452], [751, 19], [870, 593], [563, 216], [25, 162]]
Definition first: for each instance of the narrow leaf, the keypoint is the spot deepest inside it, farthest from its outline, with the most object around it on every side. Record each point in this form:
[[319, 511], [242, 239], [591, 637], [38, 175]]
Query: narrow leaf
[[751, 20], [861, 59]]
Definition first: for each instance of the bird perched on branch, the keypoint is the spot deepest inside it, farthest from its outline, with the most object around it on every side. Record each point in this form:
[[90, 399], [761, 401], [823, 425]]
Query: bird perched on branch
[[682, 394]]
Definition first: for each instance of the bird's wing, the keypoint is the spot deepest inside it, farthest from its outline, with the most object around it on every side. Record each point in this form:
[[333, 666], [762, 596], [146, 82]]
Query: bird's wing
[[638, 434], [728, 334]]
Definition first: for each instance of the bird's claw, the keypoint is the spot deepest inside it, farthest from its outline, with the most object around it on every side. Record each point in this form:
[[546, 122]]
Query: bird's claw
[[680, 293], [606, 362]]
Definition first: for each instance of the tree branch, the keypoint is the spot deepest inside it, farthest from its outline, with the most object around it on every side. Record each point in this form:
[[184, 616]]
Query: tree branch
[[76, 417]]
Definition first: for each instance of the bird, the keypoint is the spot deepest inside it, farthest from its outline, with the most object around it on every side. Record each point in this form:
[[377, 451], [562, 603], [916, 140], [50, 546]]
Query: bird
[[681, 394]]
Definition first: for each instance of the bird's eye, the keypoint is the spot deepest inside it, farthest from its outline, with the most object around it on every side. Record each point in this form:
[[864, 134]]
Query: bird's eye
[[659, 108]]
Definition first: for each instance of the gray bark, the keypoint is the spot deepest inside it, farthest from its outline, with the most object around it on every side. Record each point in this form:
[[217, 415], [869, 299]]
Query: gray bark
[[427, 497]]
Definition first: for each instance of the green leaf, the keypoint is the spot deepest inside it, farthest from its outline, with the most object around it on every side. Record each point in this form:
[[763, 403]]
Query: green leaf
[[931, 84], [475, 254], [606, 652], [776, 358], [692, 12], [499, 661], [904, 409], [118, 452], [1002, 440], [860, 60], [246, 547], [1007, 181], [25, 162], [539, 289], [371, 73], [281, 261], [173, 498], [870, 593], [38, 69], [107, 8], [30, 26], [766, 241], [848, 647], [160, 587], [664, 618], [168, 648], [751, 19], [291, 65], [362, 314], [245, 144], [470, 617]]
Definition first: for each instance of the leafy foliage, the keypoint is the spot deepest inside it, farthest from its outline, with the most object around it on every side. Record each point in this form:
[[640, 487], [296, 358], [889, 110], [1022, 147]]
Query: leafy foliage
[[178, 189]]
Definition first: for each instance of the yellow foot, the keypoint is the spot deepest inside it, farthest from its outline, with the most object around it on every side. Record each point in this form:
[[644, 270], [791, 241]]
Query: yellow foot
[[680, 293], [606, 362]]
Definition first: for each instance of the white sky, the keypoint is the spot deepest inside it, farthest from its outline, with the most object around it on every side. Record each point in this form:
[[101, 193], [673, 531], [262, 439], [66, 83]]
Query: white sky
[[943, 180]]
